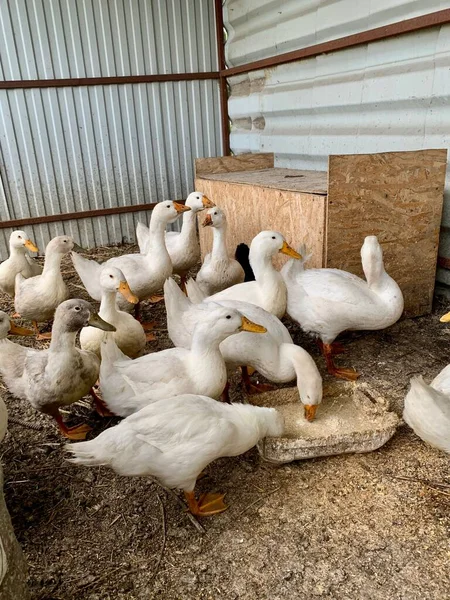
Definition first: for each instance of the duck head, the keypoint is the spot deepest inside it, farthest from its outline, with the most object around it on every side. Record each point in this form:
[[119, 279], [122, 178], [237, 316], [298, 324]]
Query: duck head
[[73, 315], [198, 201], [269, 243], [113, 280], [215, 217], [220, 322], [62, 244], [19, 240], [168, 211]]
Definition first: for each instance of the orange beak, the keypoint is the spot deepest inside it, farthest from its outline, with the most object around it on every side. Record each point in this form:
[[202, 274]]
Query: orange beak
[[208, 221], [124, 289], [180, 208], [286, 249], [30, 246], [310, 411], [207, 203], [17, 330]]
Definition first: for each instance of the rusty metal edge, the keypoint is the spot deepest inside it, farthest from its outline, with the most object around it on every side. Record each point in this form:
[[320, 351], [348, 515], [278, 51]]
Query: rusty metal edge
[[433, 19], [119, 80], [224, 119], [84, 214]]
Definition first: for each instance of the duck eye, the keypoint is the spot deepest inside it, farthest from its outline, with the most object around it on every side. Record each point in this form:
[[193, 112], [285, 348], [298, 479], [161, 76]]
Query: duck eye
[[228, 316], [20, 237], [77, 308], [65, 241], [198, 197], [111, 276], [168, 206], [273, 237], [215, 213]]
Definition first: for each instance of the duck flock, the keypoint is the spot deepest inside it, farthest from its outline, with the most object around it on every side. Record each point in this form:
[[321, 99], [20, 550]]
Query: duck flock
[[175, 407]]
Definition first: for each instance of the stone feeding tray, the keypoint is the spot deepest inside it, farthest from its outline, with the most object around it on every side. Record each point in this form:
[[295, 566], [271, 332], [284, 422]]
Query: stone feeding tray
[[352, 418]]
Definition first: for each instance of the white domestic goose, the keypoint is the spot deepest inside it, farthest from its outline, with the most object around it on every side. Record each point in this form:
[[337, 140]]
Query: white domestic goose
[[326, 302], [218, 270], [268, 290]]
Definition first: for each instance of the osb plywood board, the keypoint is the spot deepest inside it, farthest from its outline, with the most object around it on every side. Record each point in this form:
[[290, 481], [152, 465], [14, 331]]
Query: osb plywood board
[[397, 196], [299, 217], [312, 182], [228, 164]]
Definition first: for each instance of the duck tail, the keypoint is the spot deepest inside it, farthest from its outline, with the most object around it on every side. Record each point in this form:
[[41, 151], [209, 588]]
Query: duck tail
[[194, 292], [242, 256], [90, 454]]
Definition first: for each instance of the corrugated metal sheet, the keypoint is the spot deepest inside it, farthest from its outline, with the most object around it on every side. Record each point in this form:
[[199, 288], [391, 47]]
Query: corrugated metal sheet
[[73, 149], [262, 28], [389, 95]]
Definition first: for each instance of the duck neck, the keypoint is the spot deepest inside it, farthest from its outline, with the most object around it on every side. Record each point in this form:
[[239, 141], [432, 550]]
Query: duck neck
[[219, 248], [157, 244], [295, 360], [62, 340], [52, 263], [16, 252], [108, 305], [207, 366], [375, 274], [189, 226]]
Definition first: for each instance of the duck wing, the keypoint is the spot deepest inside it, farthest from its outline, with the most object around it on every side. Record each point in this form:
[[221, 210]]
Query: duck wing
[[142, 236]]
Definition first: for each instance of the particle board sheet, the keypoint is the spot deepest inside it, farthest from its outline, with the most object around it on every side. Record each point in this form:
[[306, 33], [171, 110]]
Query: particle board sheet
[[398, 197], [312, 182], [230, 164], [251, 209]]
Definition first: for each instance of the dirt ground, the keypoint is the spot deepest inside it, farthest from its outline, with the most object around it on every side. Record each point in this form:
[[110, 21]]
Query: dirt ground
[[372, 526]]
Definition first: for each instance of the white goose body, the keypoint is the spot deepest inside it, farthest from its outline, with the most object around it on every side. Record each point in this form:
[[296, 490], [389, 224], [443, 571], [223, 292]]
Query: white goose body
[[129, 385], [273, 354], [326, 302], [18, 262], [183, 246], [218, 271], [174, 439], [129, 335], [145, 274], [268, 290], [36, 298]]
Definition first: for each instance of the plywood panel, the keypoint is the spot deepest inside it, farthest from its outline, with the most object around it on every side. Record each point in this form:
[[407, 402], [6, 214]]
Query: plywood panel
[[229, 164], [312, 182], [251, 209], [397, 196]]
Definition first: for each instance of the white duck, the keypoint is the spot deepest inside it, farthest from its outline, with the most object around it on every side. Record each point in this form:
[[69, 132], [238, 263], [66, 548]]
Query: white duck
[[129, 334], [183, 246], [59, 375], [427, 407], [273, 354], [129, 385], [218, 270], [19, 261], [36, 298], [268, 290], [326, 302], [176, 438], [7, 327], [145, 274]]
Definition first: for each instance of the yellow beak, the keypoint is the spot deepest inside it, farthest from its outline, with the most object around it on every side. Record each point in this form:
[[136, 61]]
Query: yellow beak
[[181, 207], [248, 325], [30, 246], [17, 330], [207, 203], [124, 289], [310, 411], [445, 318], [286, 249], [208, 221]]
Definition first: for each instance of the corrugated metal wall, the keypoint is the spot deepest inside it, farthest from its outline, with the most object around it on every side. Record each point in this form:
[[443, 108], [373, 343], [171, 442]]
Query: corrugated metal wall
[[388, 95], [82, 148]]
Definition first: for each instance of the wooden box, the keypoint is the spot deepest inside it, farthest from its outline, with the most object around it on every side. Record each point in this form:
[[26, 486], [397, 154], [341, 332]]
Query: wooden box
[[397, 196]]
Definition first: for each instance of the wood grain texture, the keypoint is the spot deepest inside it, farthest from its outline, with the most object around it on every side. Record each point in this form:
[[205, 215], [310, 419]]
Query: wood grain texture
[[251, 209], [397, 196], [311, 182], [229, 164]]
